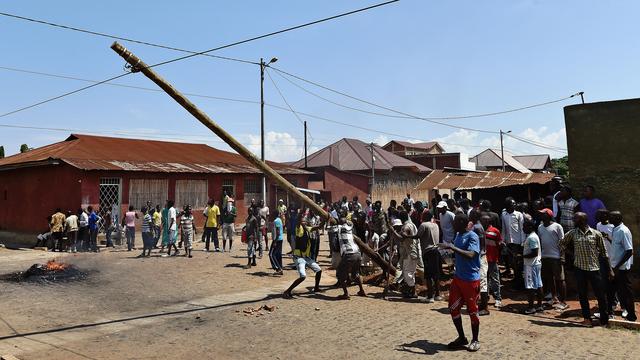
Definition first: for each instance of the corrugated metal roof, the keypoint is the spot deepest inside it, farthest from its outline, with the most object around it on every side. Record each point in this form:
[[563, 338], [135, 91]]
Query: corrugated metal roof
[[491, 158], [89, 152], [534, 162], [355, 155], [439, 179], [421, 145]]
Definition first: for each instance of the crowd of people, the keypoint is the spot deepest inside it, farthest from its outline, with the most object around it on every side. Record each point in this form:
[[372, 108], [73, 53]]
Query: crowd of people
[[457, 237]]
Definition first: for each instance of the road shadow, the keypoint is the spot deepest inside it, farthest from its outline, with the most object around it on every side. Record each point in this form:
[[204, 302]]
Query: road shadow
[[234, 265], [556, 323], [422, 347], [261, 274]]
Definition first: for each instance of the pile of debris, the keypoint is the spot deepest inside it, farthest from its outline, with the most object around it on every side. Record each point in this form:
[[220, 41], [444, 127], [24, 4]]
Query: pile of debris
[[52, 271], [259, 311]]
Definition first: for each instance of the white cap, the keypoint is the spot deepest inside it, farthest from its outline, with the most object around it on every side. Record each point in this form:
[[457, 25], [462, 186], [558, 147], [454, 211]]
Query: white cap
[[396, 222], [442, 204]]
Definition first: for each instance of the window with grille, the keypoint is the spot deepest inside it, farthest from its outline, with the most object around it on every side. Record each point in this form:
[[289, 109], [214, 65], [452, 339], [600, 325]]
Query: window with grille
[[251, 186], [142, 190], [229, 186], [192, 192]]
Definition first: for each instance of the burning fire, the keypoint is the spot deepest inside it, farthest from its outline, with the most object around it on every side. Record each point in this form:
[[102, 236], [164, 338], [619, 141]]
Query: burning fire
[[53, 265]]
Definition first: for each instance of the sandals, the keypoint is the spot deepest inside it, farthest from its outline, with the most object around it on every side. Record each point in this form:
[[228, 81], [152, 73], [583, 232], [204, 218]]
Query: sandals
[[474, 346]]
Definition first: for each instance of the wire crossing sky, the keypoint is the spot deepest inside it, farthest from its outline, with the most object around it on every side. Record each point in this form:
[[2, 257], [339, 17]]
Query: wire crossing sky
[[420, 58]]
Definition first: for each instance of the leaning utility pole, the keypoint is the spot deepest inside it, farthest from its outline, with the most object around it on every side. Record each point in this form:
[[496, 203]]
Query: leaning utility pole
[[138, 65]]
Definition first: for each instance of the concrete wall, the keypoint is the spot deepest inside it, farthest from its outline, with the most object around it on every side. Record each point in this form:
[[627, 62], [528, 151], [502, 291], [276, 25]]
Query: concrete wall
[[602, 139]]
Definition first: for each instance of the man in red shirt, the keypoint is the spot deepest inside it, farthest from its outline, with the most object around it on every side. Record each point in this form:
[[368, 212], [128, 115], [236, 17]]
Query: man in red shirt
[[494, 242]]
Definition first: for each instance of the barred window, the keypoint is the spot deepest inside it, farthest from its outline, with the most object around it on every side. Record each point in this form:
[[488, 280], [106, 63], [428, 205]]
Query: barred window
[[229, 186], [192, 192], [251, 186]]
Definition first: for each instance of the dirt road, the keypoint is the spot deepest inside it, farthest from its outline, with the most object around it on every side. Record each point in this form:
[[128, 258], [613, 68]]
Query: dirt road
[[160, 308]]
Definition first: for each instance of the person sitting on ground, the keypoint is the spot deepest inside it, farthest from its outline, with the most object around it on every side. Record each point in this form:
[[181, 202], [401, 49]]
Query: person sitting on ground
[[465, 287], [349, 267], [302, 256], [532, 267]]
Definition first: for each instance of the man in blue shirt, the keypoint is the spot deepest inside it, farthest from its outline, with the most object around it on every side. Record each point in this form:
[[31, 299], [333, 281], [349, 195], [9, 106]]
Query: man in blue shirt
[[465, 287], [93, 229]]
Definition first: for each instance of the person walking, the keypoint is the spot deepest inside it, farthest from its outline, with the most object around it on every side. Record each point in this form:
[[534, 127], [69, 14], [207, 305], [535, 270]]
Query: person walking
[[622, 260], [588, 247], [275, 252], [130, 222], [172, 226], [302, 257], [93, 229], [157, 225], [147, 233], [465, 287], [188, 230], [228, 224]]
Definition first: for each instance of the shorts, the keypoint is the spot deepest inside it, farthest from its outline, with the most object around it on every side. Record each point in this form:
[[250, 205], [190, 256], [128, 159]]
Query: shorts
[[187, 240], [532, 277], [349, 265], [552, 269], [303, 262], [464, 292]]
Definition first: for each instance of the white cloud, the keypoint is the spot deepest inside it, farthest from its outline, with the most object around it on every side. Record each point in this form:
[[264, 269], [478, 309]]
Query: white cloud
[[279, 146], [381, 140], [471, 143]]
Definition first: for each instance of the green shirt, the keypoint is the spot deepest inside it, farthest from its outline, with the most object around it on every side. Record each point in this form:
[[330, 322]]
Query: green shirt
[[229, 217]]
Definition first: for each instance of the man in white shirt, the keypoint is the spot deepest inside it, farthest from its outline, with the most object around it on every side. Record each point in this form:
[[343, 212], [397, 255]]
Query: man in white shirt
[[532, 260], [622, 249], [446, 222], [173, 227], [263, 213], [513, 235], [551, 233]]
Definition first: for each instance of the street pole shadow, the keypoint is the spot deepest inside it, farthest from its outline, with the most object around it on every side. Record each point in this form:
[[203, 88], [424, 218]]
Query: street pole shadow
[[422, 347]]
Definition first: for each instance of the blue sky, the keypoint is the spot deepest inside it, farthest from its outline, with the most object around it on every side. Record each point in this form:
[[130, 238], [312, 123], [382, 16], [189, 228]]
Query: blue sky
[[428, 58]]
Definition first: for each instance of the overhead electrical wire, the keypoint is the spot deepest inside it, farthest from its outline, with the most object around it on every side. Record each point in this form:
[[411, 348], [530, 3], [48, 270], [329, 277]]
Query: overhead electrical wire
[[193, 53]]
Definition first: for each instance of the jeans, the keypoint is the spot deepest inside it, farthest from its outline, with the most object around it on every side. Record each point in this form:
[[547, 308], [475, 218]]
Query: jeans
[[275, 255], [210, 232], [515, 259], [157, 232], [609, 287], [623, 285], [493, 279], [583, 278], [251, 247], [93, 239], [432, 266], [107, 233], [72, 237], [131, 237], [81, 240]]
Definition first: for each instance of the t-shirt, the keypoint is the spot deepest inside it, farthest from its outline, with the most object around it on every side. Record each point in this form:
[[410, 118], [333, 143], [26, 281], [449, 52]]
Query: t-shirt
[[567, 209], [550, 237], [446, 223], [532, 243], [279, 229], [493, 239], [212, 214], [622, 241], [345, 238], [607, 233], [229, 216], [468, 269], [157, 218], [303, 249], [590, 207], [72, 223], [147, 220], [93, 221], [479, 230], [186, 222], [264, 214], [130, 218], [512, 227], [172, 218], [429, 235], [84, 220], [57, 222]]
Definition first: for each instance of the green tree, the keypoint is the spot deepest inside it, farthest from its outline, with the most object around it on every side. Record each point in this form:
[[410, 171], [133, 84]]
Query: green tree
[[24, 148], [561, 166], [1, 152]]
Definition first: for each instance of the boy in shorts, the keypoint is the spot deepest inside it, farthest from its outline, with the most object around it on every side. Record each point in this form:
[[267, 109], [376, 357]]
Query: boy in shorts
[[532, 270]]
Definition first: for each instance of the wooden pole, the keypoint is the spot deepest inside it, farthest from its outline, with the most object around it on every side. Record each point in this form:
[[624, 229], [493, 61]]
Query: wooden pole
[[138, 65]]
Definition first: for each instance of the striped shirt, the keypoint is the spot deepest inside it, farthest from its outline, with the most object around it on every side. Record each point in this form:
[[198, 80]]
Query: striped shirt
[[567, 209], [186, 221], [587, 247], [146, 223]]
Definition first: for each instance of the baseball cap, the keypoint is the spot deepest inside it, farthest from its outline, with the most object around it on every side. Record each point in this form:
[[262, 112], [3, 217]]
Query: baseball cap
[[546, 211], [396, 222], [442, 204]]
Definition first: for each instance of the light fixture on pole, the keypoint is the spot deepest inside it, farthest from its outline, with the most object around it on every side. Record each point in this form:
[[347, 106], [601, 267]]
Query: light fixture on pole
[[502, 147], [263, 65]]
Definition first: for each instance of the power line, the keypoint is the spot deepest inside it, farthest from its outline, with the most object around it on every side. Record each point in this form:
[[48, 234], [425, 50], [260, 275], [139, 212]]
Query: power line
[[192, 54], [405, 115], [538, 144]]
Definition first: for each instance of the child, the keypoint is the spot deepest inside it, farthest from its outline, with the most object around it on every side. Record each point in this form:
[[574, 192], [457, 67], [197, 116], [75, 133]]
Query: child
[[188, 229], [532, 267], [147, 233]]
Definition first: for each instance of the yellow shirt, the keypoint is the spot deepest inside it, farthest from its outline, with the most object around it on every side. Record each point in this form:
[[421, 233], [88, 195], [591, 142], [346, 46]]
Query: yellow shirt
[[157, 218], [212, 216], [300, 232]]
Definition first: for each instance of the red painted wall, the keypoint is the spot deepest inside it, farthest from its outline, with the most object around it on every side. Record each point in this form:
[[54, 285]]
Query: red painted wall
[[29, 195], [341, 183]]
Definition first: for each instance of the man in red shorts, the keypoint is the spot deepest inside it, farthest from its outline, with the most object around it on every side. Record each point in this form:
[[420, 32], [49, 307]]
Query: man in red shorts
[[465, 287]]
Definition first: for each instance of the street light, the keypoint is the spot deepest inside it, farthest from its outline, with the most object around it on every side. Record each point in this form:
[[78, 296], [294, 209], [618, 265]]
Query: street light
[[502, 146], [263, 65]]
